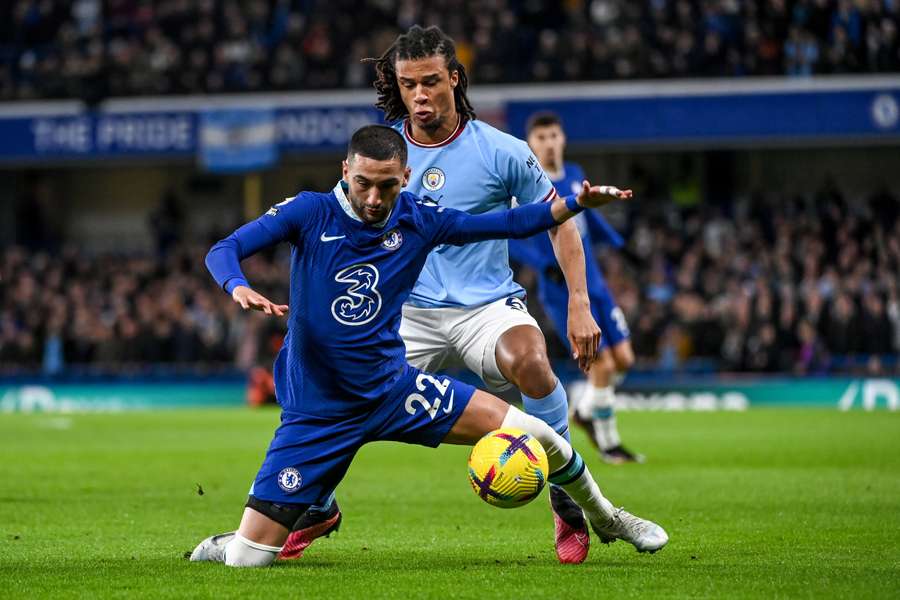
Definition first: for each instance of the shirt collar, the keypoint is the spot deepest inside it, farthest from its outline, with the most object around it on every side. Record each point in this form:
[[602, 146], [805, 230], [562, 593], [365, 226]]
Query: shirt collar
[[340, 192]]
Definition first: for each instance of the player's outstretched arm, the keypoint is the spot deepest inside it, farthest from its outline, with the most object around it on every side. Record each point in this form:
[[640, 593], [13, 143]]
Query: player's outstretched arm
[[457, 227], [280, 223]]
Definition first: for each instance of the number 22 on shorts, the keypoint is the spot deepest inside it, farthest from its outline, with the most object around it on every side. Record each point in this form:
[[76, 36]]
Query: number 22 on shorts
[[430, 407]]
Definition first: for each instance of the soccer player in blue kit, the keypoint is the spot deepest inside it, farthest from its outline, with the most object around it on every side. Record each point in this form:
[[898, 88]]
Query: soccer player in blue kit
[[595, 409], [342, 379], [465, 309]]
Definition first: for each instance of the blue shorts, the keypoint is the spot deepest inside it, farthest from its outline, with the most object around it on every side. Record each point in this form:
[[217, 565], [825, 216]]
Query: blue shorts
[[310, 454], [555, 298]]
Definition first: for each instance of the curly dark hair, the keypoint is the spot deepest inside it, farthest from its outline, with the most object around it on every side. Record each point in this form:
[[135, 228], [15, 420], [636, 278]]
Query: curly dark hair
[[417, 43]]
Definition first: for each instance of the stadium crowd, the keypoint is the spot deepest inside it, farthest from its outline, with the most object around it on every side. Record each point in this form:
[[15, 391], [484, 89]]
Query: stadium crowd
[[803, 285], [92, 49], [806, 285], [119, 312]]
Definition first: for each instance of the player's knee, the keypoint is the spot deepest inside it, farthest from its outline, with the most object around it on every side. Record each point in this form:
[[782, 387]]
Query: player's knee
[[623, 356], [604, 365], [533, 374], [241, 552]]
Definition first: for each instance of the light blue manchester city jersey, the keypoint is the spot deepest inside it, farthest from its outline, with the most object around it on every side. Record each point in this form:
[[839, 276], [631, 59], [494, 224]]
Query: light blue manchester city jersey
[[479, 169]]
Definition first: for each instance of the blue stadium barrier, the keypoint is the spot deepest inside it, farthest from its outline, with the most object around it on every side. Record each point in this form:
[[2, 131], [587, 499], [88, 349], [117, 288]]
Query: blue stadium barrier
[[712, 113]]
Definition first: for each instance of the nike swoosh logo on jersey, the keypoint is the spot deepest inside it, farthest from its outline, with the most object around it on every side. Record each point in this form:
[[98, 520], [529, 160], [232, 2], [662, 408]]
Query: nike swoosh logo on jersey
[[331, 238], [449, 406]]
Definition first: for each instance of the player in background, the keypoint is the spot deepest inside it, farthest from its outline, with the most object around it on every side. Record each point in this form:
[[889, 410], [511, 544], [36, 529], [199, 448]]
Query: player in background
[[465, 309], [342, 378], [595, 409]]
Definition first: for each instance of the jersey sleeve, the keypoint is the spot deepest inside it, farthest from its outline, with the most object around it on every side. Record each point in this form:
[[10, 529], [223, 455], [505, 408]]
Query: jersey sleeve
[[449, 226], [282, 222], [521, 172]]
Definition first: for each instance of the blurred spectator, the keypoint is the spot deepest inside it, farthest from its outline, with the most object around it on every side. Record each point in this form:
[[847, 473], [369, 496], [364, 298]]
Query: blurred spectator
[[166, 223], [801, 53], [875, 328], [810, 356], [91, 49], [841, 329], [37, 224]]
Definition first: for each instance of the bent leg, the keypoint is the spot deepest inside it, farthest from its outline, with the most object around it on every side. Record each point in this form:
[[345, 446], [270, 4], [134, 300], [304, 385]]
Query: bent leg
[[598, 403], [600, 376], [623, 356], [308, 456], [522, 358], [597, 406], [258, 541], [484, 413]]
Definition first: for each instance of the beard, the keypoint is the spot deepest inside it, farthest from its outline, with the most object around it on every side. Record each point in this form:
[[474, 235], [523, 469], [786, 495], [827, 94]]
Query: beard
[[433, 125]]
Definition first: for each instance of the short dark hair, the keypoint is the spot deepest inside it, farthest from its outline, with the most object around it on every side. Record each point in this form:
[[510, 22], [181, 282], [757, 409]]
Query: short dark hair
[[377, 142], [414, 44], [542, 119]]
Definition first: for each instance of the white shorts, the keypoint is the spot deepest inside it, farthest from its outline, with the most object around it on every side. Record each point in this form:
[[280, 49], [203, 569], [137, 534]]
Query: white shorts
[[440, 338]]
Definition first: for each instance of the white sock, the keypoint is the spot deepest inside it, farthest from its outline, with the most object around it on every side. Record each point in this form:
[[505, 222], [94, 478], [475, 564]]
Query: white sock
[[241, 552], [584, 404], [606, 431], [567, 469]]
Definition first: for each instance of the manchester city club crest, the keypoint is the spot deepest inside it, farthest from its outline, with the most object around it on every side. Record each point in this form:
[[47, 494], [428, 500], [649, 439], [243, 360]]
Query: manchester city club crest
[[289, 480], [392, 240], [433, 179]]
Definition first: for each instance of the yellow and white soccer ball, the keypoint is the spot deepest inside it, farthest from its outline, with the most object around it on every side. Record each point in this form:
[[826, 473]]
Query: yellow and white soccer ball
[[508, 468]]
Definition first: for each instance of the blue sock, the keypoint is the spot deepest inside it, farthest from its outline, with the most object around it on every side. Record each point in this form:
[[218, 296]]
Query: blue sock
[[552, 409], [322, 505]]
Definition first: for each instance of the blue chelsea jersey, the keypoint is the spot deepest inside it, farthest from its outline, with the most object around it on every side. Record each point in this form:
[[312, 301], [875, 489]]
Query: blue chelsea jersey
[[479, 169], [348, 283]]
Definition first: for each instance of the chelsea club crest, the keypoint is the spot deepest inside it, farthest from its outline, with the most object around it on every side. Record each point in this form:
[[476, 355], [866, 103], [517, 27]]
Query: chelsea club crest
[[433, 179], [289, 480], [392, 240]]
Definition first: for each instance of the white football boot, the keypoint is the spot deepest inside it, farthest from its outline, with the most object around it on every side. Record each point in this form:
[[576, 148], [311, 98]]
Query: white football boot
[[212, 549], [644, 535]]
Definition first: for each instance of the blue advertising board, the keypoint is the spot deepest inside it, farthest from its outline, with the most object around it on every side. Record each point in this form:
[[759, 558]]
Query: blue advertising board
[[168, 134], [717, 113], [741, 117], [94, 135]]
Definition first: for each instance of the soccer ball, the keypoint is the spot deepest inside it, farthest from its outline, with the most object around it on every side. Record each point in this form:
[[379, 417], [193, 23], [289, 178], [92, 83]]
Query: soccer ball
[[508, 468]]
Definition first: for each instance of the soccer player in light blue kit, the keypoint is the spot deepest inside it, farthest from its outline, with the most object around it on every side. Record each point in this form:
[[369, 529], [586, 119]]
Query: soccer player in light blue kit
[[342, 378], [595, 409], [465, 309]]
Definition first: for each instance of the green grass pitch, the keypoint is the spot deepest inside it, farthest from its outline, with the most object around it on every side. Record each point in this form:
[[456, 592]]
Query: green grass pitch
[[768, 503]]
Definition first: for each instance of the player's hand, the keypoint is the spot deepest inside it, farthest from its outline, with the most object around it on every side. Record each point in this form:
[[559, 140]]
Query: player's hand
[[599, 195], [248, 299], [584, 336]]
